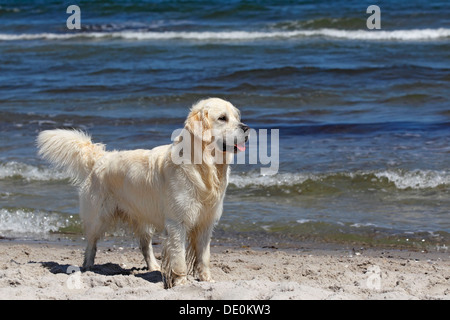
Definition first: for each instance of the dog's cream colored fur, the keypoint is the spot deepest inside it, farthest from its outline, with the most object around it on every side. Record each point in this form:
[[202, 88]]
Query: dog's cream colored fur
[[149, 191]]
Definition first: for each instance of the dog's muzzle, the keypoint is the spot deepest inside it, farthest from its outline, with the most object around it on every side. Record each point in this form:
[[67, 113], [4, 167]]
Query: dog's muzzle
[[237, 146]]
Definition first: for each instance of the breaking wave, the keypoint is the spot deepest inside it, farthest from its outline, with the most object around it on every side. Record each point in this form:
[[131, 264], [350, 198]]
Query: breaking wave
[[380, 35], [400, 178], [25, 222], [18, 170]]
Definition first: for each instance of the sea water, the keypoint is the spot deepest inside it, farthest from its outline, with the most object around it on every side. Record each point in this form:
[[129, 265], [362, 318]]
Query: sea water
[[363, 115]]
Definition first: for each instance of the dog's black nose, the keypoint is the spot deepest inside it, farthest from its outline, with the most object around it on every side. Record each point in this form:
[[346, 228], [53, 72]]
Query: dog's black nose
[[244, 127]]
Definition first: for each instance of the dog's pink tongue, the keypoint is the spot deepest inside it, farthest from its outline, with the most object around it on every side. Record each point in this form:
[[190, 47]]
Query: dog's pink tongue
[[241, 146]]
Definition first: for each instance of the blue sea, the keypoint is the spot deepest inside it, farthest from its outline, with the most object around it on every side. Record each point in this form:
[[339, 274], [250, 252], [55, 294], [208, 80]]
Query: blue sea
[[363, 115]]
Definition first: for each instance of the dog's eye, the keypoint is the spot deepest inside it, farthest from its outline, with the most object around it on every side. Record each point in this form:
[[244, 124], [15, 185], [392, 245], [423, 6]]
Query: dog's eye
[[223, 118]]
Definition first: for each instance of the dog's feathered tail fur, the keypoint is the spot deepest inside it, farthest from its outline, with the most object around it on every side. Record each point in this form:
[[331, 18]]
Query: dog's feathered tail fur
[[71, 150]]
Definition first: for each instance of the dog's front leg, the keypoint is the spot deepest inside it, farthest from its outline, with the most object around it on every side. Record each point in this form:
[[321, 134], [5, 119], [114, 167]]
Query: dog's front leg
[[200, 239], [174, 267]]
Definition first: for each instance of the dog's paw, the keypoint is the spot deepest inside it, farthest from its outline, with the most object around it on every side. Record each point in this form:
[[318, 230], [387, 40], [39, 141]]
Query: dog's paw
[[172, 279], [204, 275], [179, 281], [153, 267]]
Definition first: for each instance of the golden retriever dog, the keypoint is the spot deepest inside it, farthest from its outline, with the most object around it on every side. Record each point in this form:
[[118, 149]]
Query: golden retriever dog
[[152, 192]]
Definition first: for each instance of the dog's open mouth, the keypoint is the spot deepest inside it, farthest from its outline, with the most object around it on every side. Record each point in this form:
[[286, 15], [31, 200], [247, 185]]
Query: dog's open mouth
[[238, 147]]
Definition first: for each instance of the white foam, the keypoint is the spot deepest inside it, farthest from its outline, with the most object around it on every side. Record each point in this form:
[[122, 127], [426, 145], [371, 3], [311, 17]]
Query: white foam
[[362, 225], [399, 35], [403, 179], [417, 179], [281, 179], [302, 221], [28, 172], [21, 222], [408, 35]]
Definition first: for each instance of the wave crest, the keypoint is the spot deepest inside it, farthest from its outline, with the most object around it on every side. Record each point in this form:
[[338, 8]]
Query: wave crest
[[401, 179], [18, 170], [237, 35], [25, 222]]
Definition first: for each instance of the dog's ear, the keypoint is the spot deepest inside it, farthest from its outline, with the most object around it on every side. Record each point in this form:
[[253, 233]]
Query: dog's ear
[[199, 125], [192, 120]]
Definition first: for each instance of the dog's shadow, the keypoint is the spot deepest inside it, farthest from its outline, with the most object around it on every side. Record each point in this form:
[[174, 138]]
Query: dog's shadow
[[107, 269]]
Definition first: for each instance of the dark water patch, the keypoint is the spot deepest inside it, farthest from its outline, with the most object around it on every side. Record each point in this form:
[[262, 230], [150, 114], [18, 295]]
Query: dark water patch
[[414, 99], [19, 120], [362, 128], [323, 22]]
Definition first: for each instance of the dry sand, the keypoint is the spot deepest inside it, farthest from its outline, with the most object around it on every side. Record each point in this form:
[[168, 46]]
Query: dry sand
[[41, 271]]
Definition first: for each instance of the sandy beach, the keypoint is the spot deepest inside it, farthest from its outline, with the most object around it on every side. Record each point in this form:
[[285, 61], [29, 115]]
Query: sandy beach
[[50, 271]]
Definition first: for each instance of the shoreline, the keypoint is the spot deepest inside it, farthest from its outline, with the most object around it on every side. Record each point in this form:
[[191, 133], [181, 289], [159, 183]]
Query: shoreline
[[421, 242], [43, 270]]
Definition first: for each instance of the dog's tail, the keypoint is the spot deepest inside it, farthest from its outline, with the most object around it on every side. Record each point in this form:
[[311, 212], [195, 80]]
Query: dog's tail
[[71, 150]]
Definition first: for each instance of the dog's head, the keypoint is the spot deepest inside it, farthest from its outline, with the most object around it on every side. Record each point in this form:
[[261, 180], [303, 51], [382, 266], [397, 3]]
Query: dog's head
[[217, 121]]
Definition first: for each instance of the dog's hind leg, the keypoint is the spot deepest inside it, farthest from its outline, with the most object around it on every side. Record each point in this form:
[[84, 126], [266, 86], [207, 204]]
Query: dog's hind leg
[[94, 227], [89, 255], [93, 234], [145, 243]]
